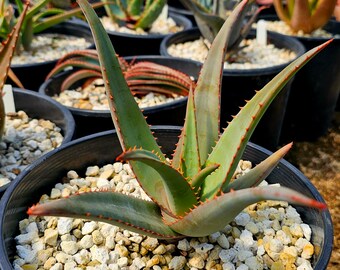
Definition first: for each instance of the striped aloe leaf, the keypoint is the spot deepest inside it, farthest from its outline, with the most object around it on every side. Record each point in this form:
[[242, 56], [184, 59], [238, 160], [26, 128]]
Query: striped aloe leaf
[[194, 194]]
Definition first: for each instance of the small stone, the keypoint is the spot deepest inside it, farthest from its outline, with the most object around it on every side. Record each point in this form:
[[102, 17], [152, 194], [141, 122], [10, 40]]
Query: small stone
[[150, 243], [97, 237], [100, 254], [177, 263], [64, 225], [51, 236], [86, 242], [197, 261], [89, 227], [183, 245], [69, 247]]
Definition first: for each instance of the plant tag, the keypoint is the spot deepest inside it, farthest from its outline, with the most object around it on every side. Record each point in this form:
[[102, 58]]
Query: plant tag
[[8, 98], [261, 32]]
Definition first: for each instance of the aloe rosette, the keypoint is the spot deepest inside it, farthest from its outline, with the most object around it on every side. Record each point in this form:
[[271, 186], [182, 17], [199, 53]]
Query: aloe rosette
[[134, 13], [305, 15], [142, 77], [194, 194], [210, 16]]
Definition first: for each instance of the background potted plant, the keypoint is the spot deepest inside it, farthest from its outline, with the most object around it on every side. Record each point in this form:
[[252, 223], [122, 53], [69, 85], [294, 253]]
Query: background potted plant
[[167, 78], [39, 21], [239, 82], [319, 95], [35, 106], [181, 215], [132, 23]]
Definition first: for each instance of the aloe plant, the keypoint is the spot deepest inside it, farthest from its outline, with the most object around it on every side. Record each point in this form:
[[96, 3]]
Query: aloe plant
[[210, 16], [134, 13], [37, 19], [305, 15], [194, 194], [142, 77], [6, 52]]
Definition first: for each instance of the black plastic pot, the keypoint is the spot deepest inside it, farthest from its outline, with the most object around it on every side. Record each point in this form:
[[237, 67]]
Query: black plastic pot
[[129, 44], [239, 85], [32, 75], [100, 149], [92, 121], [39, 106], [315, 90]]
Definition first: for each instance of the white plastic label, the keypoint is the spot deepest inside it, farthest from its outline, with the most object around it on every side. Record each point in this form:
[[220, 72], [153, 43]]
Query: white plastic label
[[8, 99], [261, 32]]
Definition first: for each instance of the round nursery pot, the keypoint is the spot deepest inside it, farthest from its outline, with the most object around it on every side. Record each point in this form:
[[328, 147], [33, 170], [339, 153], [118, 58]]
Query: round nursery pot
[[102, 148], [39, 106], [92, 121], [315, 90], [32, 75], [239, 85], [126, 44]]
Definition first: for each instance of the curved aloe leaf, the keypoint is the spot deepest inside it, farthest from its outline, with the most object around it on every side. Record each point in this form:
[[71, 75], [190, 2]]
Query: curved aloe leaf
[[181, 196], [223, 209], [186, 156], [237, 134], [121, 210], [81, 62], [257, 174], [207, 92], [208, 24], [131, 126], [150, 14], [79, 75], [61, 17]]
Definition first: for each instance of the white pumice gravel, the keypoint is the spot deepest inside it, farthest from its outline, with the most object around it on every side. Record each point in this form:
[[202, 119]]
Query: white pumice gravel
[[65, 243], [162, 26], [283, 28], [93, 97], [253, 55], [24, 141], [50, 46]]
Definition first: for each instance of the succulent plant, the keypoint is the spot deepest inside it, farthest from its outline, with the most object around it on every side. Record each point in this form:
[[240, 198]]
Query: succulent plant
[[142, 77], [6, 53], [210, 16], [193, 194], [134, 13], [37, 19], [305, 15]]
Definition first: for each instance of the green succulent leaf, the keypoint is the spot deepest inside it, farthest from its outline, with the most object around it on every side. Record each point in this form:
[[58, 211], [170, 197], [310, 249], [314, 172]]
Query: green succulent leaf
[[150, 14], [134, 7], [209, 24], [59, 18], [237, 134], [181, 196], [121, 210], [207, 92], [186, 156], [131, 126], [257, 174], [223, 209]]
